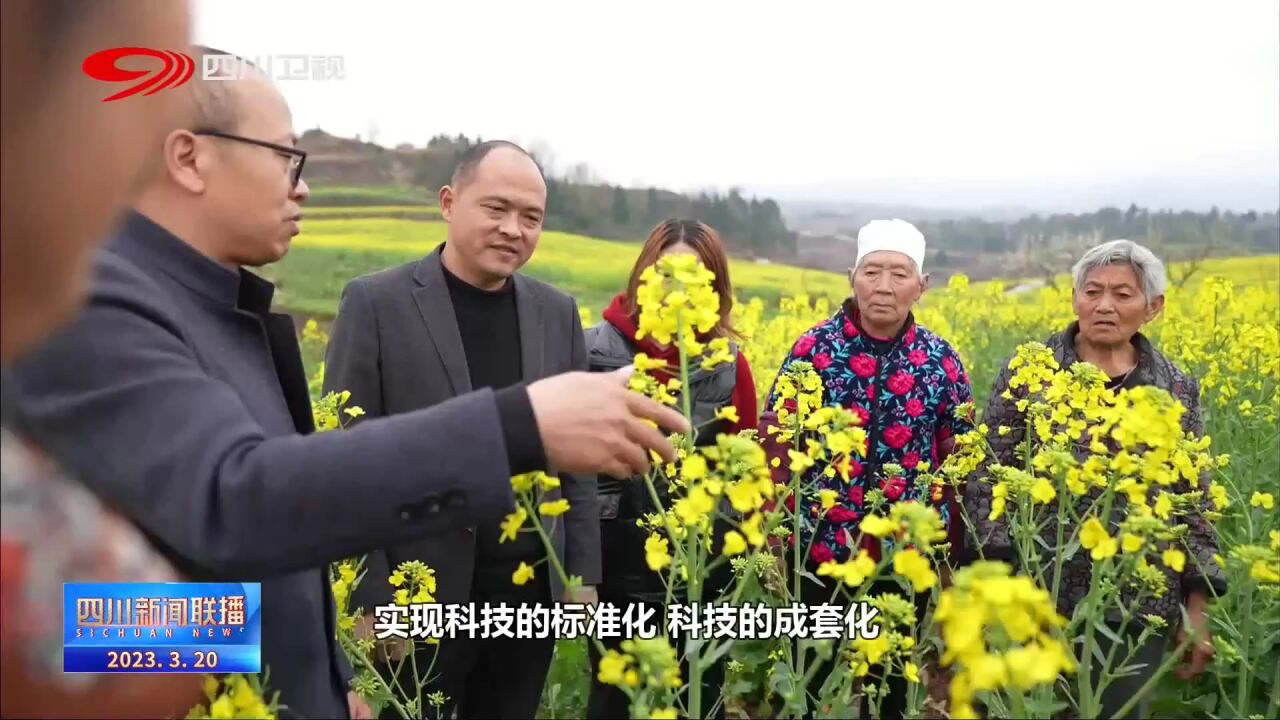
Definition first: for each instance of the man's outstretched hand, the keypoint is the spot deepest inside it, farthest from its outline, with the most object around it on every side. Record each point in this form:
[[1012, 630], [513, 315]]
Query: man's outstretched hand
[[591, 423]]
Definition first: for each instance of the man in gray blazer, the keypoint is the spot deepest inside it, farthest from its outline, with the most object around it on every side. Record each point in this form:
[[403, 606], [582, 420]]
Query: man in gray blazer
[[460, 319]]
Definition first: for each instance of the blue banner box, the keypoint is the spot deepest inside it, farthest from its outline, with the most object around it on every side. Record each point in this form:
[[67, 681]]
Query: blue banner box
[[162, 628]]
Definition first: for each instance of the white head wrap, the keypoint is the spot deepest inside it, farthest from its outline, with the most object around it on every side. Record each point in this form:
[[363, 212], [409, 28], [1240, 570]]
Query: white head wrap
[[895, 235]]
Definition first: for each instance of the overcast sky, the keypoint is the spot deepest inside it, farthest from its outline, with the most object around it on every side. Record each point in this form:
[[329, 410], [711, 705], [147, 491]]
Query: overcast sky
[[1052, 105]]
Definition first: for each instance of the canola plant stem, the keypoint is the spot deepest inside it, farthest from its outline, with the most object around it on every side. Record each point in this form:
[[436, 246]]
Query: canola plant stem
[[1091, 708], [797, 578], [695, 579], [552, 558], [354, 653], [686, 403], [1242, 687], [1165, 666], [555, 562], [1057, 549]]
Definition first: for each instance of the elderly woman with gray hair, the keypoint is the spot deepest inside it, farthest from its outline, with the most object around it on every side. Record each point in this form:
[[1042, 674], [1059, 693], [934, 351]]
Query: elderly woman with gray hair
[[1117, 288]]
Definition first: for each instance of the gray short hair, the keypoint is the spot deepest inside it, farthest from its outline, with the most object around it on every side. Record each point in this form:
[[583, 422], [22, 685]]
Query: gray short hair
[[1145, 264]]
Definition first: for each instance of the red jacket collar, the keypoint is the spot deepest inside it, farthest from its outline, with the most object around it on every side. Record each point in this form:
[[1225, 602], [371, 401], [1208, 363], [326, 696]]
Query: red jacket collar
[[618, 314]]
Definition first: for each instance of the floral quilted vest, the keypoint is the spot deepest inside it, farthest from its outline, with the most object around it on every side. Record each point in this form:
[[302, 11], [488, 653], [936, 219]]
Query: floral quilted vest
[[906, 391]]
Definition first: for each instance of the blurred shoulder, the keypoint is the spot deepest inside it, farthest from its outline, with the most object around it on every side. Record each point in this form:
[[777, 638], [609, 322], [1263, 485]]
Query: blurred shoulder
[[118, 278], [603, 335], [122, 287]]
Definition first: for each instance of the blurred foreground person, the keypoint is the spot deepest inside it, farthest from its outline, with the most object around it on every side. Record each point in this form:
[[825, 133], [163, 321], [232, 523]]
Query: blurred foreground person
[[69, 164], [202, 419]]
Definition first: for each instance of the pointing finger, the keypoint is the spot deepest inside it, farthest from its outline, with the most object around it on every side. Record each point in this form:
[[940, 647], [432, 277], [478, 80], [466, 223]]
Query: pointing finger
[[643, 407]]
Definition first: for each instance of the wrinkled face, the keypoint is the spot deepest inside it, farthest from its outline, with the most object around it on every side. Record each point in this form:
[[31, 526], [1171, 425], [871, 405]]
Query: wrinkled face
[[70, 162], [1110, 305], [248, 190], [885, 286], [495, 218]]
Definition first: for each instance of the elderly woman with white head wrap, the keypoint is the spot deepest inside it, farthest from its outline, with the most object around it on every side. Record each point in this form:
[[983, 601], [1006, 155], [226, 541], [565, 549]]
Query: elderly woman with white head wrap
[[1118, 287], [912, 394]]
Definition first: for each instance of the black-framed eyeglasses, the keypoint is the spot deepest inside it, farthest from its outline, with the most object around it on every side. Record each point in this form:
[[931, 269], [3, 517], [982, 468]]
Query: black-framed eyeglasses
[[297, 158]]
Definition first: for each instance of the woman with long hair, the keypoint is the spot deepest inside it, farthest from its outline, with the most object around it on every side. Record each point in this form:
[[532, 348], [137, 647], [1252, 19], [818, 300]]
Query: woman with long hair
[[612, 344]]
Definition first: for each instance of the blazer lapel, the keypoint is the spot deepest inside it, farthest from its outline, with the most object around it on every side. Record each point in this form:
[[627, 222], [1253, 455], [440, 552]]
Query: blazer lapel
[[532, 341], [532, 332], [432, 298]]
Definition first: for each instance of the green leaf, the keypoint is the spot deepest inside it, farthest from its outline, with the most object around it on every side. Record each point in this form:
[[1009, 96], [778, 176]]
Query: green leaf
[[1099, 655], [1109, 634], [739, 688], [1070, 550], [780, 682], [750, 652], [810, 576], [718, 652]]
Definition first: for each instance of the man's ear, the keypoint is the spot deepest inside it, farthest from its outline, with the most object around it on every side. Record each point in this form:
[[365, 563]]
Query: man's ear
[[185, 161], [446, 203]]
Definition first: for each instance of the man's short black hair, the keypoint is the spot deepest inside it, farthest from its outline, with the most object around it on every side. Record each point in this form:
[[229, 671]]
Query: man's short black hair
[[471, 158]]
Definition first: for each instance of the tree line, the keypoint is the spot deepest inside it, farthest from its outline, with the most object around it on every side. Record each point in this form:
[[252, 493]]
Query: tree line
[[1180, 234]]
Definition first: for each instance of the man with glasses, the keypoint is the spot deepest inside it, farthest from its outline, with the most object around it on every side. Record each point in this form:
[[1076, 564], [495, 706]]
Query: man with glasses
[[295, 156], [180, 398]]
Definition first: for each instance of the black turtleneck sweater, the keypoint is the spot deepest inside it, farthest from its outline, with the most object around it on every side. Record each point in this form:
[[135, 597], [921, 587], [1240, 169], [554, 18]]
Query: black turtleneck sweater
[[490, 330]]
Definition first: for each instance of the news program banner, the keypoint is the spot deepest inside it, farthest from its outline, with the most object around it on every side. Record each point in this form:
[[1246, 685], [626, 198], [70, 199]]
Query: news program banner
[[162, 627]]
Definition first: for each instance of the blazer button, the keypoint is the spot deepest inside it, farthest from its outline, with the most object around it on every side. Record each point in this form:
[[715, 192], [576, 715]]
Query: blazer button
[[405, 515], [433, 507]]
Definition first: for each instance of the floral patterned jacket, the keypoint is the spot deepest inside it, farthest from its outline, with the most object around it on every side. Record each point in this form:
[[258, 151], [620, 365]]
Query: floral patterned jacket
[[1153, 369], [906, 391]]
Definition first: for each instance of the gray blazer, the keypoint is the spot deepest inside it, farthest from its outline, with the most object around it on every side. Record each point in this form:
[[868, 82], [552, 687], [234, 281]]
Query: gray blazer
[[395, 346]]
